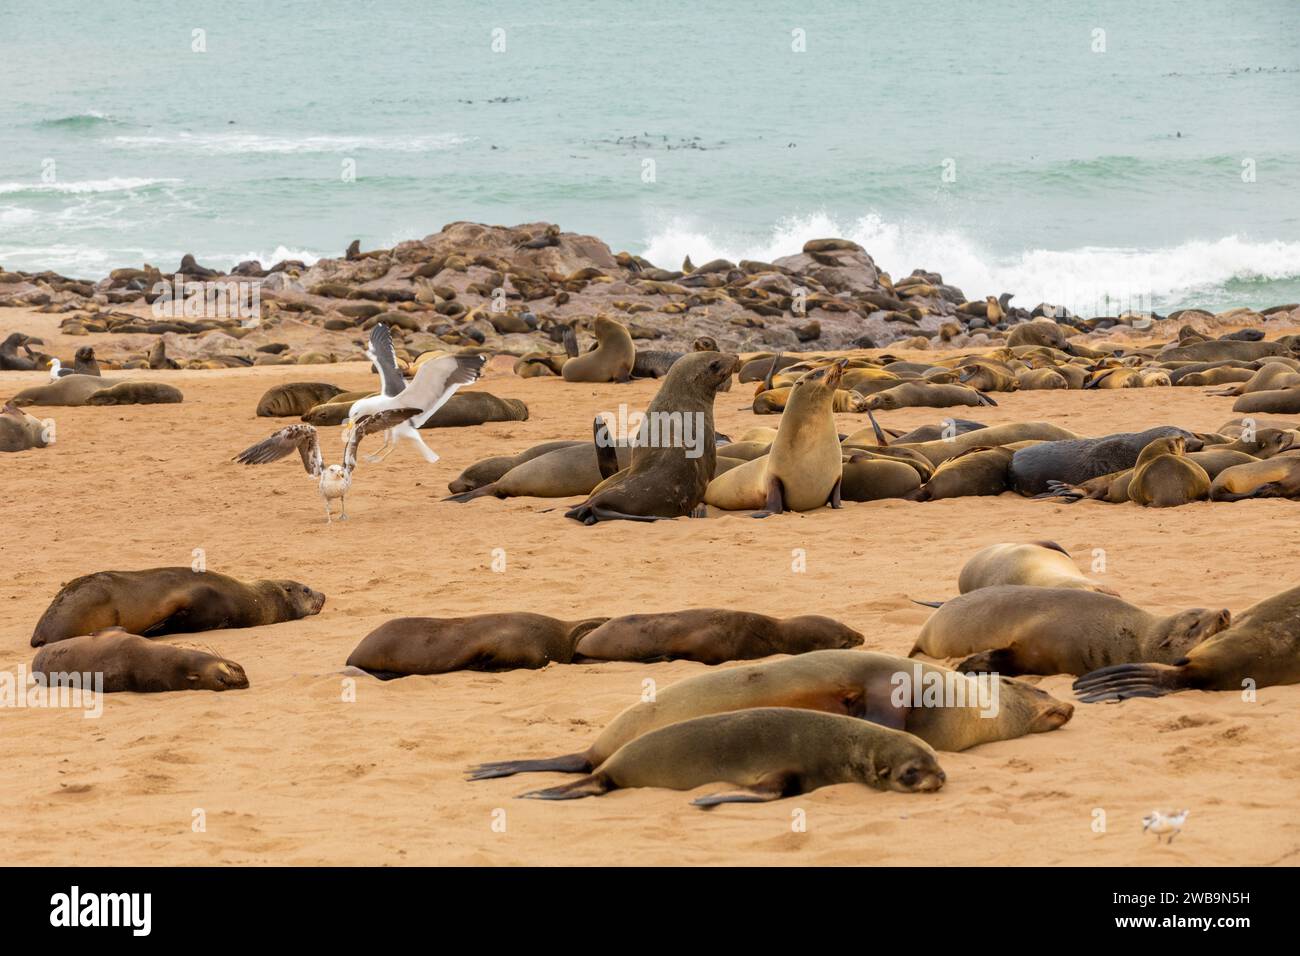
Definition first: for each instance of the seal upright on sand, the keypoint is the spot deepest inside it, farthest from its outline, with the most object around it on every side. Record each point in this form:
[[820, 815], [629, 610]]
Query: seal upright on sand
[[669, 470]]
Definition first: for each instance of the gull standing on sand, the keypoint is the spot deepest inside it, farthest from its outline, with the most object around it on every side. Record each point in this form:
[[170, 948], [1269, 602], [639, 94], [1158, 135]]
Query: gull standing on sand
[[333, 481], [1162, 823], [434, 383]]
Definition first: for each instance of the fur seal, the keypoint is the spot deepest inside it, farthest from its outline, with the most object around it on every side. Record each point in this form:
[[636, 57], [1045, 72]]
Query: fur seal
[[710, 636], [563, 473], [137, 393], [941, 449], [1282, 401], [769, 752], [976, 471], [20, 431], [294, 399], [1040, 564], [612, 359], [872, 477], [670, 471], [483, 642], [918, 394], [804, 469], [1165, 477], [170, 601], [493, 469], [1018, 629], [1262, 646], [853, 683], [1076, 460], [1272, 478], [133, 663], [70, 390], [476, 408]]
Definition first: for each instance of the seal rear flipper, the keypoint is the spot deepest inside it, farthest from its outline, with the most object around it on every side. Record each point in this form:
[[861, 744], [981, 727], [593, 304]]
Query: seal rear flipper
[[592, 785], [999, 661], [481, 492], [984, 399], [568, 763], [927, 603], [1121, 681], [590, 514], [772, 787], [881, 440], [1059, 489]]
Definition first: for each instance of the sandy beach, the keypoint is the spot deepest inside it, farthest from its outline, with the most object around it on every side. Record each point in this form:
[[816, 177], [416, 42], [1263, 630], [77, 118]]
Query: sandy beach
[[291, 772]]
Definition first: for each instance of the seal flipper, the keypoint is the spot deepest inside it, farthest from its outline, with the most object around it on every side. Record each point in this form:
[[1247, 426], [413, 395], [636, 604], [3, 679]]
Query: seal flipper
[[880, 435], [592, 785], [1059, 489], [570, 340], [568, 763], [481, 492], [1000, 661], [774, 786], [1120, 681], [984, 399], [835, 501], [927, 603], [775, 503], [606, 456]]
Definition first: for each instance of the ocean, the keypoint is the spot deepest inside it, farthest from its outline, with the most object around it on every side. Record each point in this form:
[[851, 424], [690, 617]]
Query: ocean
[[1098, 155]]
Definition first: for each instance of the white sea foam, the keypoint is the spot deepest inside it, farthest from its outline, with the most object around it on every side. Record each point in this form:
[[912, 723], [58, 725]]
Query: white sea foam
[[1081, 279], [231, 142], [115, 184]]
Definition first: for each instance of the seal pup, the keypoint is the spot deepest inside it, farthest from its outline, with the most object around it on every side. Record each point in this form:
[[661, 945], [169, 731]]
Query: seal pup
[[1017, 629], [669, 470], [1165, 477], [332, 481], [710, 636], [769, 752], [129, 662], [160, 601], [1040, 564], [434, 383], [805, 468], [502, 641], [20, 431], [611, 361], [853, 683], [1262, 646]]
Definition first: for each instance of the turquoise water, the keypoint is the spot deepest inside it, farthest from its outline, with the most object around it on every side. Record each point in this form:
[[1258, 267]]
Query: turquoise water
[[1078, 174]]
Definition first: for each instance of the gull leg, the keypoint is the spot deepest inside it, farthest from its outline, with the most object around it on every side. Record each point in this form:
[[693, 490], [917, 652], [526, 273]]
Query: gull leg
[[328, 516], [385, 450], [343, 504]]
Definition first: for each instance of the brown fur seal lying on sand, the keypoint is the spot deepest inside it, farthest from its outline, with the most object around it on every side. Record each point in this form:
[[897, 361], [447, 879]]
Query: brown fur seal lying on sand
[[170, 601], [770, 752], [133, 663], [1262, 647], [20, 431], [1014, 629], [1040, 564], [853, 683]]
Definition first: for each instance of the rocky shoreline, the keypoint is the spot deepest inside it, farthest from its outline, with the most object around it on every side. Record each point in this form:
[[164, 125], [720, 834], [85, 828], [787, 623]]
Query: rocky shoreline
[[516, 290]]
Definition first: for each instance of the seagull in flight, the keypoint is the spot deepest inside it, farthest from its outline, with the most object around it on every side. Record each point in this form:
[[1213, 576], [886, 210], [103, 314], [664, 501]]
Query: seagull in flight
[[333, 481], [435, 382]]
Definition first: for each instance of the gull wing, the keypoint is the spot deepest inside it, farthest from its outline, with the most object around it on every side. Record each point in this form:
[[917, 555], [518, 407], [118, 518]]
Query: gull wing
[[437, 381], [300, 438], [363, 426], [381, 352]]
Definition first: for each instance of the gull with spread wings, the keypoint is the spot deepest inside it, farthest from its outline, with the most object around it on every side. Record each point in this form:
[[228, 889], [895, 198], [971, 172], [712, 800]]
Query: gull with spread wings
[[435, 382], [334, 481]]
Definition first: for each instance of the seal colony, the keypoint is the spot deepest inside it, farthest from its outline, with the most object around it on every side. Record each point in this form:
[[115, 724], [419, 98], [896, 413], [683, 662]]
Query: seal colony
[[852, 433]]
